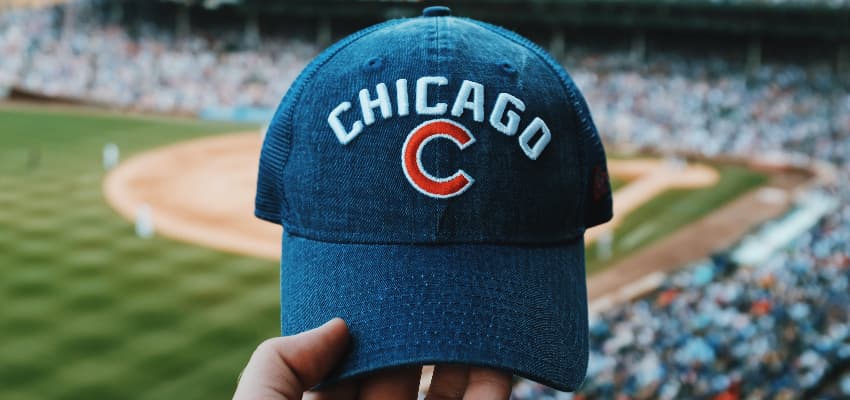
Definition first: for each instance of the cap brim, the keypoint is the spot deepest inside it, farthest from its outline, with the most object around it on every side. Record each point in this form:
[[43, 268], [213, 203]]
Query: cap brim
[[521, 309]]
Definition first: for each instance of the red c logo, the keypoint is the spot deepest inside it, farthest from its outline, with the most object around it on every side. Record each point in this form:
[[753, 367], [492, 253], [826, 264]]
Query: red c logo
[[411, 162]]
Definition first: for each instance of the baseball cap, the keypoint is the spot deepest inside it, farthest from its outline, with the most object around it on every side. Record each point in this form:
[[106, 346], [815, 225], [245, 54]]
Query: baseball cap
[[434, 177]]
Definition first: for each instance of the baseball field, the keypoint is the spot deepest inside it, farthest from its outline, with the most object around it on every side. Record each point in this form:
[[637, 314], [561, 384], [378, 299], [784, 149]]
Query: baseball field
[[90, 310]]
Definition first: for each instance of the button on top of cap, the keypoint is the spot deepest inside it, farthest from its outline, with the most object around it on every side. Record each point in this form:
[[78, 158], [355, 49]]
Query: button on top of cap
[[436, 11]]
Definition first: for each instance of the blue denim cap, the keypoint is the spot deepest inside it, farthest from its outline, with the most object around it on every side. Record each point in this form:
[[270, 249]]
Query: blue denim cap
[[434, 177]]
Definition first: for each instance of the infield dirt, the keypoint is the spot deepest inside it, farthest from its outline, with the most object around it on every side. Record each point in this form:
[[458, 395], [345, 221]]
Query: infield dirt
[[200, 191]]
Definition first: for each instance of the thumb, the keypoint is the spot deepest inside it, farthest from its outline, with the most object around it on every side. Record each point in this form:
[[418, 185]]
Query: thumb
[[284, 367]]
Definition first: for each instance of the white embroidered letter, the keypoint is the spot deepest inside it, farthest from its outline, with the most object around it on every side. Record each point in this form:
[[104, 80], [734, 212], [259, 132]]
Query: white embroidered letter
[[383, 101], [339, 130], [401, 95], [462, 100], [499, 113], [525, 137], [422, 106]]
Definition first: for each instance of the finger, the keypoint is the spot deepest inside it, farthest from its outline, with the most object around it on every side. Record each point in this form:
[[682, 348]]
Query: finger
[[488, 384], [448, 383], [346, 390], [392, 384], [312, 354], [283, 367]]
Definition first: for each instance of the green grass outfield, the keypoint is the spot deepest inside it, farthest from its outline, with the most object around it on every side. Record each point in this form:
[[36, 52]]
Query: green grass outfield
[[89, 311], [672, 210]]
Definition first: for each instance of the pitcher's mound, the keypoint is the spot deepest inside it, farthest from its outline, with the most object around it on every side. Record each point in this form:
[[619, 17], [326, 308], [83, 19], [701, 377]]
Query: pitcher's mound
[[200, 191]]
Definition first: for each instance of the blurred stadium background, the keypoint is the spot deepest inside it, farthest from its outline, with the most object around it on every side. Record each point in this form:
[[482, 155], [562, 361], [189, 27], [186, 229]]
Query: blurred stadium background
[[759, 89]]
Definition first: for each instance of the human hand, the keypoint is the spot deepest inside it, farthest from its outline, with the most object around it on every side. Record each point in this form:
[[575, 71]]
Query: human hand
[[284, 368]]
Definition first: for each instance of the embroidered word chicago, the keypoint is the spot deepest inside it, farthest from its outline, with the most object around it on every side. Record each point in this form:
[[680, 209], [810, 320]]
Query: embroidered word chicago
[[470, 98]]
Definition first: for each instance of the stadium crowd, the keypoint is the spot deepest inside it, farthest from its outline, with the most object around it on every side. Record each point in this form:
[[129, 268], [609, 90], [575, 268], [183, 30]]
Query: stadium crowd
[[774, 331], [153, 71], [711, 106], [713, 330]]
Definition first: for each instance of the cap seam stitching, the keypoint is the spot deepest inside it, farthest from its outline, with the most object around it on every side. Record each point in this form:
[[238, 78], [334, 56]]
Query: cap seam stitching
[[566, 85], [301, 82], [437, 60], [302, 233]]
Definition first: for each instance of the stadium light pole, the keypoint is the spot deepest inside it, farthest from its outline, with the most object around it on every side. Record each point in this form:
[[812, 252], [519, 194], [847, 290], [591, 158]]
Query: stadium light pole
[[557, 44], [638, 53], [842, 59], [323, 32], [251, 34], [68, 11], [754, 55], [183, 21]]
